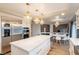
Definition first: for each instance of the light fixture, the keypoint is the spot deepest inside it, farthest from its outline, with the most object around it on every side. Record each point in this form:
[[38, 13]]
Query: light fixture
[[41, 21], [56, 23], [39, 18], [36, 20], [27, 14], [62, 14]]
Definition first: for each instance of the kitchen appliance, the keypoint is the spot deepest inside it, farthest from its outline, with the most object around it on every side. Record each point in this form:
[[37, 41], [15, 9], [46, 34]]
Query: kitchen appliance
[[10, 30], [16, 32], [9, 33], [6, 37], [25, 33]]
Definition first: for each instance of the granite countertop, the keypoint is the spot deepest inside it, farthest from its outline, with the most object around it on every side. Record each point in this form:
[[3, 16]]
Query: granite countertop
[[30, 43]]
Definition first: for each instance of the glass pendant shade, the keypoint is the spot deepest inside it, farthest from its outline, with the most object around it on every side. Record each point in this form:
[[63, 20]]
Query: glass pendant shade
[[56, 24], [28, 15], [36, 20], [41, 22]]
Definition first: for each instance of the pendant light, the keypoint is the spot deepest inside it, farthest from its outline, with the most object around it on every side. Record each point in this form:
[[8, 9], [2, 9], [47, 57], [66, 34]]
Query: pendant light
[[41, 22], [36, 20], [27, 14], [42, 19], [56, 23]]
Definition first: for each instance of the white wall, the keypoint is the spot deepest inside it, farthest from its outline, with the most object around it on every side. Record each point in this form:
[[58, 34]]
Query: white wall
[[36, 30], [51, 29]]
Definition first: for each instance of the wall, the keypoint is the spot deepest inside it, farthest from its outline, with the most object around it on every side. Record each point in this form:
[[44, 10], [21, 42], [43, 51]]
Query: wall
[[51, 29], [36, 29]]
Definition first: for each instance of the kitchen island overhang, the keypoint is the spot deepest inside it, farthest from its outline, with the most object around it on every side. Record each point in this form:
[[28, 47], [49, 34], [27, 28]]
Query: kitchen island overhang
[[36, 45]]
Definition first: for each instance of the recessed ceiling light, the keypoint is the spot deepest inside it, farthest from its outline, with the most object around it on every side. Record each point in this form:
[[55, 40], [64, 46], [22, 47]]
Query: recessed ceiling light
[[62, 14]]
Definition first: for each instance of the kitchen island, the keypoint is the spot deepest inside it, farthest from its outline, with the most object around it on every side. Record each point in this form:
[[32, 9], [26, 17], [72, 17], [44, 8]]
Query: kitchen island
[[36, 45]]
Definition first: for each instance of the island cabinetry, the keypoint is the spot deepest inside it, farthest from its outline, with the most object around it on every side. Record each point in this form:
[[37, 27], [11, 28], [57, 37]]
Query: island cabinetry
[[37, 45]]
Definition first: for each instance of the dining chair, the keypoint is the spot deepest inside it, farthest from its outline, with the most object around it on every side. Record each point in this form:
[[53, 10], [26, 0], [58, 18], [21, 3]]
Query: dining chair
[[58, 39], [65, 39]]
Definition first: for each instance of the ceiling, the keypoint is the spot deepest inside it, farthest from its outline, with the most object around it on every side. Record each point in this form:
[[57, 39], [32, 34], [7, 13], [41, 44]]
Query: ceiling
[[49, 10]]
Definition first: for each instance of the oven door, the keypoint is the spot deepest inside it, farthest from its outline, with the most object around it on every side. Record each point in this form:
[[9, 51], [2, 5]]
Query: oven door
[[6, 32], [25, 36]]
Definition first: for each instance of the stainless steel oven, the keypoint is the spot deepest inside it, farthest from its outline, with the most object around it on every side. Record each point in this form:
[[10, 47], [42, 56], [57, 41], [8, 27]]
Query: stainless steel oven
[[6, 32], [25, 33]]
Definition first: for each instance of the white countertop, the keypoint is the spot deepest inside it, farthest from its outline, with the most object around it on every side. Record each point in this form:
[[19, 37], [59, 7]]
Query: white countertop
[[75, 41], [30, 43]]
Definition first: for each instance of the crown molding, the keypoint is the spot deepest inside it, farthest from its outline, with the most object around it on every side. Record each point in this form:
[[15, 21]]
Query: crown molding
[[2, 14], [11, 13]]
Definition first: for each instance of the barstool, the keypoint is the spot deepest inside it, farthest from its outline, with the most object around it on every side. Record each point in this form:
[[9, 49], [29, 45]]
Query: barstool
[[58, 39]]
